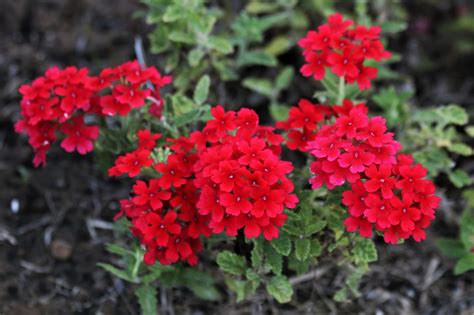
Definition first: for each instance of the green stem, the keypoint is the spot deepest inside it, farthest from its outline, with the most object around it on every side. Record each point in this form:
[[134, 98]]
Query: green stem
[[341, 91], [138, 260]]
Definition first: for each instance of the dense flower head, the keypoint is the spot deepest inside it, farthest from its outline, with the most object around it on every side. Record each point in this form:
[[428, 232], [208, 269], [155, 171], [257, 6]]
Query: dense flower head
[[225, 178], [343, 47], [162, 210], [59, 101], [387, 192], [243, 181], [303, 123]]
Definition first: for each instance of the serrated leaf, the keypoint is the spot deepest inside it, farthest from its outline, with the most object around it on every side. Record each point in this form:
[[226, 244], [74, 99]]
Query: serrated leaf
[[314, 227], [364, 251], [231, 263], [202, 90], [459, 178], [453, 114], [316, 248], [460, 148], [282, 244], [302, 248], [464, 264], [451, 247], [117, 272], [274, 260], [147, 300], [280, 288]]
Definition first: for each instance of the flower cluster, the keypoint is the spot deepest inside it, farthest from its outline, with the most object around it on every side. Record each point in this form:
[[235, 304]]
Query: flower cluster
[[387, 191], [60, 100], [344, 50], [302, 123], [242, 179], [163, 210], [225, 178]]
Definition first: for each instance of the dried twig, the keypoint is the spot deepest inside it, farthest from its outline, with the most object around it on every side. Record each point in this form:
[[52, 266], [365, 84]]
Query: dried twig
[[310, 275]]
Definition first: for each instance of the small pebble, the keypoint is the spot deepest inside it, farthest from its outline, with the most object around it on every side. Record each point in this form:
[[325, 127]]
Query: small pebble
[[15, 205], [61, 249]]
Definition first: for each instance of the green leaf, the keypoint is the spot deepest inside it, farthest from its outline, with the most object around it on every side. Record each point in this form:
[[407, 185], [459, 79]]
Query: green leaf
[[302, 249], [279, 112], [154, 272], [117, 249], [284, 79], [280, 288], [261, 7], [467, 229], [242, 288], [221, 45], [231, 263], [316, 248], [451, 247], [394, 104], [340, 295], [279, 45], [117, 272], [147, 299], [195, 56], [259, 58], [470, 131], [282, 244], [202, 284], [256, 255], [172, 14], [364, 251], [202, 89], [464, 264], [298, 266], [314, 227], [392, 27], [460, 148], [274, 260], [459, 178], [261, 86], [453, 114], [181, 37]]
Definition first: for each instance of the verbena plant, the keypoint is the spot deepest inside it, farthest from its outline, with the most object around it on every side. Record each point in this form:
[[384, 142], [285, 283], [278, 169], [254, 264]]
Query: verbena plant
[[212, 186]]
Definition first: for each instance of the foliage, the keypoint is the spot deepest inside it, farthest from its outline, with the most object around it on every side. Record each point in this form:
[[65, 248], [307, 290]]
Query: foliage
[[462, 248], [204, 46]]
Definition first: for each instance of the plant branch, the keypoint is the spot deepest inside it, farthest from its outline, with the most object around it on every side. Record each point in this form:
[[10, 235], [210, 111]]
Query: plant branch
[[341, 91], [313, 274]]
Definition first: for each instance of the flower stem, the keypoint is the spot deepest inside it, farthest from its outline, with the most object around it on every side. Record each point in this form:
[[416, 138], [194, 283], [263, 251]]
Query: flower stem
[[341, 91]]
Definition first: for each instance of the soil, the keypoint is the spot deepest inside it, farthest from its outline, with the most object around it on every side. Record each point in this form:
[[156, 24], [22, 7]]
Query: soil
[[54, 221]]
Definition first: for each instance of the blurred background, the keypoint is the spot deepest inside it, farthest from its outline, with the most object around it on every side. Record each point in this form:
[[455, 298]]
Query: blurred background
[[54, 221]]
